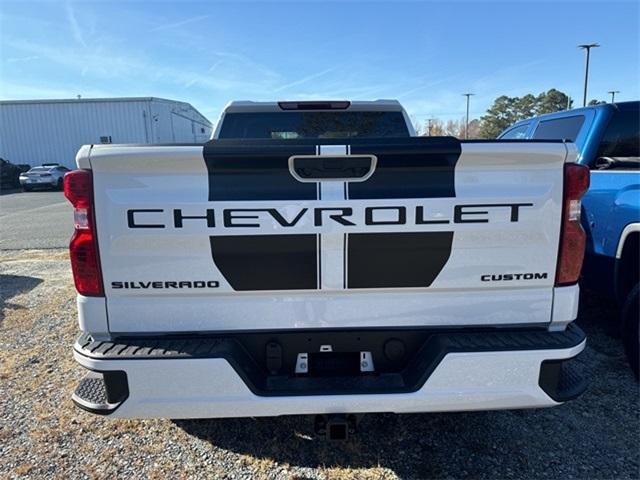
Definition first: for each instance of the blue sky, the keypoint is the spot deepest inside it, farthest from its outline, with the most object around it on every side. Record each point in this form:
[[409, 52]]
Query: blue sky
[[426, 54]]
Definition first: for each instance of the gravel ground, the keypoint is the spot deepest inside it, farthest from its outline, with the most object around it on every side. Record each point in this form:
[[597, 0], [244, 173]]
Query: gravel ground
[[42, 434]]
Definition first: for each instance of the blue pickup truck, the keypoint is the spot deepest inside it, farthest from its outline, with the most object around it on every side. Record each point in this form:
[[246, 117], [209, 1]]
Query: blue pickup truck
[[608, 139]]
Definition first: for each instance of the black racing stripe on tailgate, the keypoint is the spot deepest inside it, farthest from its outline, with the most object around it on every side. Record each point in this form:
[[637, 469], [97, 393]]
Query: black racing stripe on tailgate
[[396, 260], [239, 171], [416, 168], [267, 262]]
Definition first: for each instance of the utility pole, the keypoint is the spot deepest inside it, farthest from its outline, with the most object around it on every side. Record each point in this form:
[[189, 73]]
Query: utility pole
[[466, 125], [613, 95], [587, 47]]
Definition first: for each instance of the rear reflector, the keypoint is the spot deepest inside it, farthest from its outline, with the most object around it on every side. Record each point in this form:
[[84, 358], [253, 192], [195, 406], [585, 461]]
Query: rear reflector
[[83, 248], [572, 236]]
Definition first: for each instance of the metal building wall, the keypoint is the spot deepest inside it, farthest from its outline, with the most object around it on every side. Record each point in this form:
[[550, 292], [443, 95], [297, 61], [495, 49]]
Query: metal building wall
[[178, 122], [35, 132]]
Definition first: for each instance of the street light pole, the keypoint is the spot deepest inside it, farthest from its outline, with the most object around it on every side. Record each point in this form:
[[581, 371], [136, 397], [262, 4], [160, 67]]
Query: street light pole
[[466, 125], [613, 95], [588, 48]]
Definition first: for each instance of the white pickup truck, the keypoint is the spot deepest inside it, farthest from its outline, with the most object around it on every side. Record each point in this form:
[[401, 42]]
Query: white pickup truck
[[319, 258]]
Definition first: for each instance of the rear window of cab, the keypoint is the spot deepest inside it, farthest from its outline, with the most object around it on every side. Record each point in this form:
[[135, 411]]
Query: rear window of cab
[[563, 128], [622, 136], [310, 124]]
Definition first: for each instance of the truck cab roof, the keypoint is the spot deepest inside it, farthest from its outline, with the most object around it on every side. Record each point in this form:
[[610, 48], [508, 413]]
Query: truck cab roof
[[583, 126]]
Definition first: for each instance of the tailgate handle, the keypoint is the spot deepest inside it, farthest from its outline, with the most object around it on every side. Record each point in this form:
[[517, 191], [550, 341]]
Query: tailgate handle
[[344, 168]]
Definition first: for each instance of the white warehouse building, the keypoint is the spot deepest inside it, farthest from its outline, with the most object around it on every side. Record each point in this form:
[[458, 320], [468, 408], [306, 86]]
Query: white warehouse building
[[35, 132]]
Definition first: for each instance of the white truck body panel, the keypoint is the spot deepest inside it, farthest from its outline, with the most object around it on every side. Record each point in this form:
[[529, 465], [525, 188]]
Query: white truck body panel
[[165, 178]]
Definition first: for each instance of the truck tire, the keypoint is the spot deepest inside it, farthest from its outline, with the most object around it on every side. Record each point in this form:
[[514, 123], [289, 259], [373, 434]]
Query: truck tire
[[630, 330]]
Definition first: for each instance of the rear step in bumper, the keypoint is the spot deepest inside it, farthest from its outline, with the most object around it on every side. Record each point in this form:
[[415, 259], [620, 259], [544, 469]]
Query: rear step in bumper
[[206, 378], [101, 392]]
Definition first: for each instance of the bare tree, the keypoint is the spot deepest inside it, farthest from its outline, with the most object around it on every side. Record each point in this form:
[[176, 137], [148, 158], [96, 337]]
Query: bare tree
[[474, 128], [436, 127]]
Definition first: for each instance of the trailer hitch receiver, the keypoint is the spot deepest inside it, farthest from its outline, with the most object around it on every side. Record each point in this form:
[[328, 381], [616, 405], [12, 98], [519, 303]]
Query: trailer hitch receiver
[[335, 426]]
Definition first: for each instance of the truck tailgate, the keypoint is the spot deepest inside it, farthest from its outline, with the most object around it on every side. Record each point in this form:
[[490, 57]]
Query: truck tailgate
[[265, 235]]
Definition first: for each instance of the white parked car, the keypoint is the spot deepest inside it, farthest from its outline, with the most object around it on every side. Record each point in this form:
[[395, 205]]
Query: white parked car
[[45, 176]]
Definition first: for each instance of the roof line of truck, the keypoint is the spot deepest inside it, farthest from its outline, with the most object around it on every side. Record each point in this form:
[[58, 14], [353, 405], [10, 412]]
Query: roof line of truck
[[577, 111]]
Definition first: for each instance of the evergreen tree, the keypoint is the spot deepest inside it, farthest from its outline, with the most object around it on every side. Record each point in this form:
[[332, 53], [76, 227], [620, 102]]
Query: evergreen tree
[[506, 111]]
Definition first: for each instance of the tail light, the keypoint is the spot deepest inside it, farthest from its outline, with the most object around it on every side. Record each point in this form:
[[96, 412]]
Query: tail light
[[83, 248], [572, 235]]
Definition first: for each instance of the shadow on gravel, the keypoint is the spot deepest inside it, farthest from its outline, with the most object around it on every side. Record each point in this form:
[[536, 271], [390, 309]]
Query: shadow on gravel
[[12, 285], [593, 436]]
